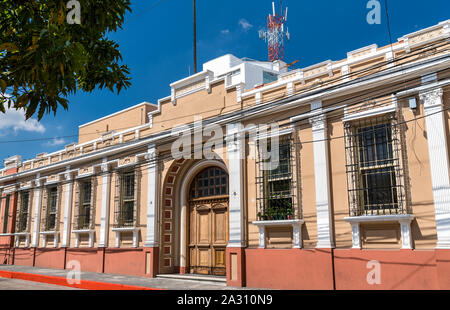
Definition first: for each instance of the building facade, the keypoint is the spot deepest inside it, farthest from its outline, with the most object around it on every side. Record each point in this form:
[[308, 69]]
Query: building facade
[[359, 197]]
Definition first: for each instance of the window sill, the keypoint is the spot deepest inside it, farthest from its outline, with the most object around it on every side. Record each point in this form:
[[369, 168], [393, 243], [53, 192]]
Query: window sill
[[132, 228], [296, 225], [278, 222], [22, 233], [81, 231], [77, 233], [379, 218], [135, 231], [50, 232], [403, 219], [55, 237]]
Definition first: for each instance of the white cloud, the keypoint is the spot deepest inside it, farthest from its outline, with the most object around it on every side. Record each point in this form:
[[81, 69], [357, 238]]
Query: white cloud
[[245, 24], [225, 31], [15, 119], [55, 142]]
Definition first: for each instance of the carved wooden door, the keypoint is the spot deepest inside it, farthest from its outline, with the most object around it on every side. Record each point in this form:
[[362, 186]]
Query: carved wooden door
[[208, 235]]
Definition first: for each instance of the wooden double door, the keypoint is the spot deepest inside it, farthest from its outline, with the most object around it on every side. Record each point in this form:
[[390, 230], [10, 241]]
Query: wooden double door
[[208, 235]]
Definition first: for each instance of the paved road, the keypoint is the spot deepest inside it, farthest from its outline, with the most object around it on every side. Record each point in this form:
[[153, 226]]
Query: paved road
[[14, 284]]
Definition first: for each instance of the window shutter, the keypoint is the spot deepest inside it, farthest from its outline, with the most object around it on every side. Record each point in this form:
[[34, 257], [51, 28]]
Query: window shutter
[[76, 223], [117, 198], [93, 201]]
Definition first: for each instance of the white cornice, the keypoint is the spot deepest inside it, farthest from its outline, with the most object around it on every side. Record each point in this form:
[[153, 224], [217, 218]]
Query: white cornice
[[378, 79]]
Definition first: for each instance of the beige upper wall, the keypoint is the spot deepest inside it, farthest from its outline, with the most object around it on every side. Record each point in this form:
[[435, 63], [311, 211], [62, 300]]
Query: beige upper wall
[[119, 121]]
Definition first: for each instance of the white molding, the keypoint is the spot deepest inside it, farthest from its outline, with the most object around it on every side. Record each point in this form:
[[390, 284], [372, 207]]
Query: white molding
[[106, 200], [258, 98], [403, 219], [369, 113], [184, 201], [135, 231], [423, 88], [439, 163], [322, 178], [236, 155], [22, 234], [67, 210], [279, 133], [296, 235], [77, 233], [55, 234], [152, 198], [37, 211], [372, 48], [385, 78]]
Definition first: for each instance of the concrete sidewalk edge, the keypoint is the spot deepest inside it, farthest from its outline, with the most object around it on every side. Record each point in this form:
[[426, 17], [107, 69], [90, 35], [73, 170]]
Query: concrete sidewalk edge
[[83, 284]]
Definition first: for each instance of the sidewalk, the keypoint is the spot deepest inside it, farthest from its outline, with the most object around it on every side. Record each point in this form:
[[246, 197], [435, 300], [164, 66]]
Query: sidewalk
[[103, 281]]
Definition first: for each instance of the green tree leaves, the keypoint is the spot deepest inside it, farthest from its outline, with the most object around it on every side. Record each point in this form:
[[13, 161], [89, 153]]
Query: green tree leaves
[[44, 59]]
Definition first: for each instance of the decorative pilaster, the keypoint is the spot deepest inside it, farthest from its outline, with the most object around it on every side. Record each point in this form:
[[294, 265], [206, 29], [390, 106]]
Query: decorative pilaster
[[405, 229], [37, 211], [235, 147], [439, 163], [67, 210], [356, 236], [321, 176], [106, 189], [152, 197]]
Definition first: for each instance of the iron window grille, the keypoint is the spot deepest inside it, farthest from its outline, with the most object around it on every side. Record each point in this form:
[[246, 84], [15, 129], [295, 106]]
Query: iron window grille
[[125, 212], [275, 187], [84, 212], [22, 218], [6, 214], [374, 167], [52, 208]]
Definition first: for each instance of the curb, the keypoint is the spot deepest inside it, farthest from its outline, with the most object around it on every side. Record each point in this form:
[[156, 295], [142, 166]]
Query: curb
[[84, 284]]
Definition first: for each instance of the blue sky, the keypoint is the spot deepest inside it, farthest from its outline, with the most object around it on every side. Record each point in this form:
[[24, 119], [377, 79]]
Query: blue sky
[[157, 46]]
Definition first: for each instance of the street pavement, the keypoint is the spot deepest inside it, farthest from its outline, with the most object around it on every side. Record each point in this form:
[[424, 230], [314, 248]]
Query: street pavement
[[159, 283], [15, 284]]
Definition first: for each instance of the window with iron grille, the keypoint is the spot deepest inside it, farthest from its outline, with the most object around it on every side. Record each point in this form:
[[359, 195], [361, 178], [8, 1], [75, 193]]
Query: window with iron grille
[[84, 212], [125, 216], [212, 181], [374, 167], [22, 222], [52, 204], [275, 186], [6, 214]]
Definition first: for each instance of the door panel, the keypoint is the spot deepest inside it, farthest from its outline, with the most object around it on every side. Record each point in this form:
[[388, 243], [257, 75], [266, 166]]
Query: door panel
[[220, 227], [204, 227], [208, 235]]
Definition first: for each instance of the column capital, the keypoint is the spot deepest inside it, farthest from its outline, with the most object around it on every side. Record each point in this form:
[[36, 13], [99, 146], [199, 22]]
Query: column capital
[[318, 122], [431, 98]]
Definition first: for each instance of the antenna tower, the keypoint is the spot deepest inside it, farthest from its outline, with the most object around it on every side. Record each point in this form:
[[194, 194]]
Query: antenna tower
[[274, 35]]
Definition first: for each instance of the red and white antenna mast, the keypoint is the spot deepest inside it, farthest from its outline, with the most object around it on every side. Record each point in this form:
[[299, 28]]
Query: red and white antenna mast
[[274, 35]]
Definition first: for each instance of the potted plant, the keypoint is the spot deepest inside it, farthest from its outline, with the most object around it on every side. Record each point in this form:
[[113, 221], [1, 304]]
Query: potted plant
[[260, 216], [289, 213]]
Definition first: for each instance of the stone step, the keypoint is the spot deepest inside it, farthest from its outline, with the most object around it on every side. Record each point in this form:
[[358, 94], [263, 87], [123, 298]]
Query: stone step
[[194, 277]]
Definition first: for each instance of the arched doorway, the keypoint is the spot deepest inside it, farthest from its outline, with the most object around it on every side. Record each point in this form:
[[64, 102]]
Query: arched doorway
[[207, 229]]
